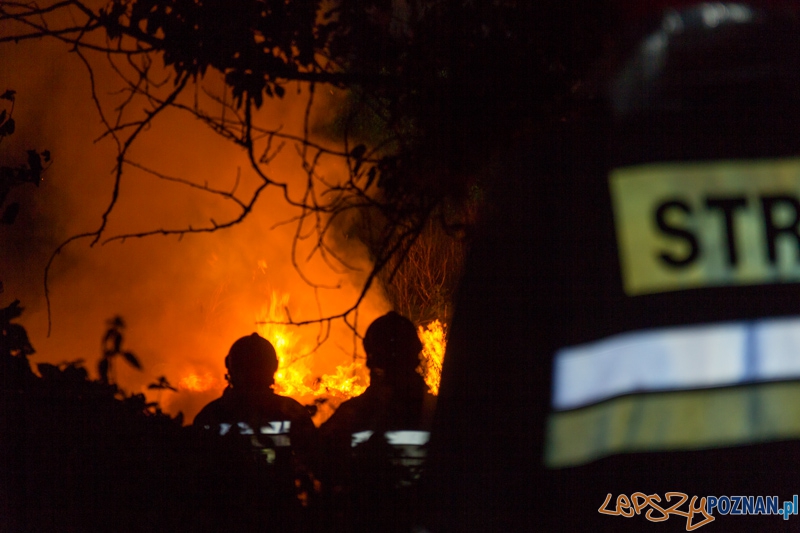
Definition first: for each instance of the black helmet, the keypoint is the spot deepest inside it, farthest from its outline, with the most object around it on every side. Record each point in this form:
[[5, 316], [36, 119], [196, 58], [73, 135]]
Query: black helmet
[[392, 344], [251, 359]]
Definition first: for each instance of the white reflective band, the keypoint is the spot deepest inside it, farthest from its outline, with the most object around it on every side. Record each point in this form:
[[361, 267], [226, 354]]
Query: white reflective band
[[280, 427], [395, 438], [276, 428], [398, 438], [679, 358], [361, 436]]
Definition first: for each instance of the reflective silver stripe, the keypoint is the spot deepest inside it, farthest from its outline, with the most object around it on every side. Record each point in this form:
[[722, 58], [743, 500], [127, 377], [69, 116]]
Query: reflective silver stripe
[[680, 358], [398, 438], [361, 436], [395, 438], [276, 428], [280, 427]]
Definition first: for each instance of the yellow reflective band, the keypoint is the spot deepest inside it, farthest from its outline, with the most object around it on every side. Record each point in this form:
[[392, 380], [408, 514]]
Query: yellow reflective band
[[686, 420], [690, 225]]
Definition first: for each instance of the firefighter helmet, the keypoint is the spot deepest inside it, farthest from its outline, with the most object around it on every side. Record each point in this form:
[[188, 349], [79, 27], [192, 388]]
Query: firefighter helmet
[[251, 359], [391, 343]]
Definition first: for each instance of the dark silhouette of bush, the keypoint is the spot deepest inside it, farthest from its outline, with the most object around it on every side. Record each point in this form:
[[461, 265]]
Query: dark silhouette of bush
[[112, 348], [14, 176], [78, 454], [81, 454]]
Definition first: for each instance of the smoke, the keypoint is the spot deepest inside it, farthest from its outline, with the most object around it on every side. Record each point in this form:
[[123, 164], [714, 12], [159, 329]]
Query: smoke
[[184, 300]]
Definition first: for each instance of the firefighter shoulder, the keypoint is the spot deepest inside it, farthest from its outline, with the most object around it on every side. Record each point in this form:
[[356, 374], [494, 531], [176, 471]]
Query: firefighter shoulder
[[249, 406], [394, 413]]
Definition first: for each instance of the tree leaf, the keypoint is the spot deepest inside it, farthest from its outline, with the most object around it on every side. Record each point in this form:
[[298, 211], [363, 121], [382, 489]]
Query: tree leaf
[[8, 95], [132, 360], [358, 152], [373, 172], [11, 312], [7, 128], [35, 162], [161, 384]]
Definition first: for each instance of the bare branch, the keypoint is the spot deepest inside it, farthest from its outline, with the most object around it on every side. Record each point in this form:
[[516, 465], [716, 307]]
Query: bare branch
[[47, 274], [326, 203], [205, 188]]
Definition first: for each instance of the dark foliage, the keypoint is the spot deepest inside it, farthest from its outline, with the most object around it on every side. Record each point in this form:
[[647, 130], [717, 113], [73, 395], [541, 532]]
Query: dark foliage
[[15, 370], [254, 43], [78, 454], [15, 176], [82, 455], [161, 384], [112, 348]]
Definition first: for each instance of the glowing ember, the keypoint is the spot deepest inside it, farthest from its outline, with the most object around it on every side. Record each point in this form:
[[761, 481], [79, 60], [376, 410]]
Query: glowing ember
[[197, 383], [434, 340]]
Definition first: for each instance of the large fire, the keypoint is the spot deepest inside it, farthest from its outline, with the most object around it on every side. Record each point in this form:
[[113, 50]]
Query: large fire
[[295, 377]]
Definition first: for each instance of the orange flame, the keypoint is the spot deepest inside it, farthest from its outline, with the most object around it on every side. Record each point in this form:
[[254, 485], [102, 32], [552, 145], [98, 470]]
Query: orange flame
[[434, 340], [294, 377], [197, 383], [345, 382]]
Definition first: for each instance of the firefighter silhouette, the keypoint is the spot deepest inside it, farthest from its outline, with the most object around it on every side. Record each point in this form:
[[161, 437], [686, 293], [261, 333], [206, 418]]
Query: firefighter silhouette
[[376, 441], [261, 444], [249, 406]]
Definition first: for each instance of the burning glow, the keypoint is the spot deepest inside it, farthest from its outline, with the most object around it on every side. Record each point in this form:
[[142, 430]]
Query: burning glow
[[294, 377], [344, 383], [434, 340], [197, 383]]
